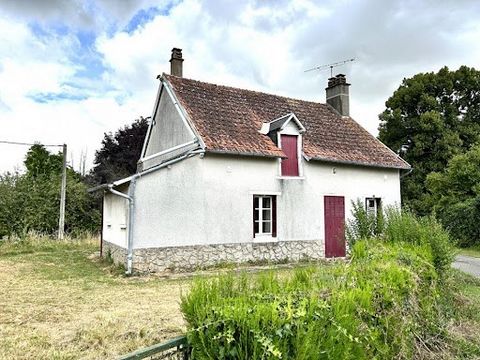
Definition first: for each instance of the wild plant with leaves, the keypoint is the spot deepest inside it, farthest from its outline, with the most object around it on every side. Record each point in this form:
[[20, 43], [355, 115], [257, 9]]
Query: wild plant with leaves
[[385, 303]]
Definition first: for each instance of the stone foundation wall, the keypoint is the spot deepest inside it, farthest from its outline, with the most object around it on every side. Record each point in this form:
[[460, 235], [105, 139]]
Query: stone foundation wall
[[117, 253], [186, 258]]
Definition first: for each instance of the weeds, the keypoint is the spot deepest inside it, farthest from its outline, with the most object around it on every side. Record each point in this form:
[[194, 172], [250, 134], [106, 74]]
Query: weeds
[[392, 300], [372, 307]]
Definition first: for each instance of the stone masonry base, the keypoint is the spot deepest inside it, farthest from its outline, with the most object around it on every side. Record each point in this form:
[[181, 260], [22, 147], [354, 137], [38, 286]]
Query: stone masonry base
[[187, 258], [117, 253]]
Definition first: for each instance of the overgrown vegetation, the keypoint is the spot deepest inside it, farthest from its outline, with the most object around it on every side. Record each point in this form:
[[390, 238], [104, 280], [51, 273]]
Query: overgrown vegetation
[[363, 224], [433, 121], [392, 300], [31, 201]]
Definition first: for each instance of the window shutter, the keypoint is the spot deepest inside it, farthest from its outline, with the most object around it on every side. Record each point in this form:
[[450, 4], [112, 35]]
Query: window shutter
[[289, 147], [274, 216]]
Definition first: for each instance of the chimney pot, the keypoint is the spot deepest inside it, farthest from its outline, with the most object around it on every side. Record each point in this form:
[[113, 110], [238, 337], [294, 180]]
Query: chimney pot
[[338, 94], [176, 62]]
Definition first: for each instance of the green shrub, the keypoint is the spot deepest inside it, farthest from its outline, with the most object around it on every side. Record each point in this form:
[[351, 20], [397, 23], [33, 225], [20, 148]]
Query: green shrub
[[363, 225], [405, 227], [383, 304], [461, 219]]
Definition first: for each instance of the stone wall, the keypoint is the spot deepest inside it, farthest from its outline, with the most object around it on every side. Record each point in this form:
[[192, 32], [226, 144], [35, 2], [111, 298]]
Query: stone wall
[[116, 253], [187, 258]]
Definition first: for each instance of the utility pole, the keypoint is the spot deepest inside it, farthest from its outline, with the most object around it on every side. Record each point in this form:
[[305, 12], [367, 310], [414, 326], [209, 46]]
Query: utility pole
[[61, 219]]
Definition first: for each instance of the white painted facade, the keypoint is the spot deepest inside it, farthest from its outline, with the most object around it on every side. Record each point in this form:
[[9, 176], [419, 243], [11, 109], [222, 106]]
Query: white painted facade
[[208, 199], [115, 218]]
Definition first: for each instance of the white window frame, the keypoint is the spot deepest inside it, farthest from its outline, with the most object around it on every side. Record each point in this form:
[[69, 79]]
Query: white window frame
[[260, 220], [377, 205]]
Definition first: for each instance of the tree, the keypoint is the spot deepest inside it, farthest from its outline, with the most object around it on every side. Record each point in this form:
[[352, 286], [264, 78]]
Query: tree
[[429, 119], [119, 153], [455, 195], [40, 162], [30, 202]]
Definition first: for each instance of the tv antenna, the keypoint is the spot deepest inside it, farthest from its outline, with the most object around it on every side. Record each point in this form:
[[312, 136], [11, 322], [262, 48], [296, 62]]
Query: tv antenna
[[331, 66]]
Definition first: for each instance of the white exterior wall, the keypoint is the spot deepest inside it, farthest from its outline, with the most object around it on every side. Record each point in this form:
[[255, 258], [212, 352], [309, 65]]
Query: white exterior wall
[[168, 130], [115, 217], [210, 201]]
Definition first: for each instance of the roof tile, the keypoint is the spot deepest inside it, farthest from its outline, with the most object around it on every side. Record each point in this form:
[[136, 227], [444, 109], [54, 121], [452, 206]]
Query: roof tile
[[229, 119]]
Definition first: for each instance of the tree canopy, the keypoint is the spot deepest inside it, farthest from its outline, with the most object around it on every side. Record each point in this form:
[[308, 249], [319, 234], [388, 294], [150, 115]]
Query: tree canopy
[[31, 201], [455, 195], [119, 153], [428, 120]]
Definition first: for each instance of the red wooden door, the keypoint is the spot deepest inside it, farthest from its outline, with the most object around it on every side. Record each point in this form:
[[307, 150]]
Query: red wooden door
[[289, 147], [334, 226]]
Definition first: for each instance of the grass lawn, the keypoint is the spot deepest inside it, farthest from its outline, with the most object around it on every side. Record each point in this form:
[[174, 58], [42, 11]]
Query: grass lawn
[[472, 251], [57, 302]]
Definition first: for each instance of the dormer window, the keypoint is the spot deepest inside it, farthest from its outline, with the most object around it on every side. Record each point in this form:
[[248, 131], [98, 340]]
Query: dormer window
[[286, 132]]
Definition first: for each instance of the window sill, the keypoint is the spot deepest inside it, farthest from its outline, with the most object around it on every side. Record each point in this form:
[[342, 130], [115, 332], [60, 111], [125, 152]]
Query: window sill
[[291, 177], [264, 239]]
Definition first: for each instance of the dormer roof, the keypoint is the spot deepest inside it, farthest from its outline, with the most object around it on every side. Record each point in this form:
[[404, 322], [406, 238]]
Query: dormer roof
[[281, 123]]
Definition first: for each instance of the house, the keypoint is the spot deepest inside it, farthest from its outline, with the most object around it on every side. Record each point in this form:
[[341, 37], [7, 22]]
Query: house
[[233, 175]]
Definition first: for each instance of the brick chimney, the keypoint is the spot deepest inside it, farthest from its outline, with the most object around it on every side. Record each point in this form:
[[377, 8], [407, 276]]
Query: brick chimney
[[176, 62], [337, 94]]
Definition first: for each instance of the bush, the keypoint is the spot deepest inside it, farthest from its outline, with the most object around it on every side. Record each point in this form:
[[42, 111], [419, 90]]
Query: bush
[[30, 203], [363, 225], [461, 219], [405, 227], [383, 304]]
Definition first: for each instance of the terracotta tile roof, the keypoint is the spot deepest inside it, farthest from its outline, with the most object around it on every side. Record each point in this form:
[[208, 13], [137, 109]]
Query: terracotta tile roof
[[229, 119]]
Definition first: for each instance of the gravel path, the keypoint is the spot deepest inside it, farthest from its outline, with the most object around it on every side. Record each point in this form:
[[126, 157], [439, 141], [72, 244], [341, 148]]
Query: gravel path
[[468, 264]]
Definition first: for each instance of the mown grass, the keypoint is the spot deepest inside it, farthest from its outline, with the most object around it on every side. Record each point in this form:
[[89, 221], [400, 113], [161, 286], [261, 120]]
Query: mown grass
[[58, 301]]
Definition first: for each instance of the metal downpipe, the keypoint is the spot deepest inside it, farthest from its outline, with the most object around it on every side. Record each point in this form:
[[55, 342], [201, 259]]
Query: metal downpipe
[[131, 213], [131, 202]]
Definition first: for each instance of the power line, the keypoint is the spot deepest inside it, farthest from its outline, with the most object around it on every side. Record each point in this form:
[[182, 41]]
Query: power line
[[27, 144]]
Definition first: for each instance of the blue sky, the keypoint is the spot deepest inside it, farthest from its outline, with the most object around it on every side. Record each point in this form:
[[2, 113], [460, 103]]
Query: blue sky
[[73, 70]]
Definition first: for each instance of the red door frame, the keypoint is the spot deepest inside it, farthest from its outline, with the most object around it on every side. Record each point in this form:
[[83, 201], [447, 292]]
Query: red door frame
[[334, 212]]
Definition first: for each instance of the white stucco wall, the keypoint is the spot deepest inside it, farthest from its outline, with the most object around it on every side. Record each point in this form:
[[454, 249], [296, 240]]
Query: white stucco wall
[[115, 215], [209, 201], [168, 130]]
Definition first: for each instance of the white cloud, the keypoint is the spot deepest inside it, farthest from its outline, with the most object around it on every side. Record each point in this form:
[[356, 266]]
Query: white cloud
[[261, 45]]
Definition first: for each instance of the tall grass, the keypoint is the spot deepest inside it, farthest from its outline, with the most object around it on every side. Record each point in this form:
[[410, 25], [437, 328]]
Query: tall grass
[[35, 241], [363, 224], [385, 303], [377, 306], [404, 227]]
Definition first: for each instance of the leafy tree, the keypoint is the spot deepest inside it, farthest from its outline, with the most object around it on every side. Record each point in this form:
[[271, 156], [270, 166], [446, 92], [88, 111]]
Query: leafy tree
[[455, 195], [429, 119], [119, 153], [40, 162], [31, 201]]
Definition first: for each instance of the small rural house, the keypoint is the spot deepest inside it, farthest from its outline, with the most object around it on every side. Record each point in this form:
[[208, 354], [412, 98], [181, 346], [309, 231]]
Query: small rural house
[[233, 175]]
